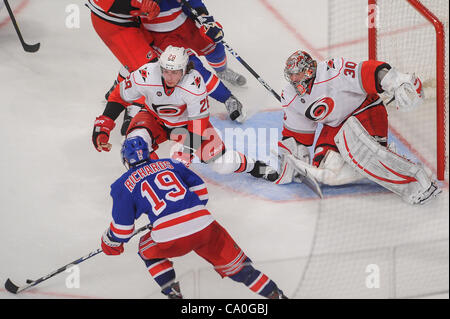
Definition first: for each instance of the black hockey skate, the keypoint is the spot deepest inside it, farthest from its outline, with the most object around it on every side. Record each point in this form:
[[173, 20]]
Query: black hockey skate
[[173, 291], [234, 109], [277, 293]]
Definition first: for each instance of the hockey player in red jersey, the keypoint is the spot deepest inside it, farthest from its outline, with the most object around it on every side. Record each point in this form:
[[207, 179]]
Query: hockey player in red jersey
[[176, 108], [174, 198], [343, 96], [174, 25], [127, 27], [117, 23]]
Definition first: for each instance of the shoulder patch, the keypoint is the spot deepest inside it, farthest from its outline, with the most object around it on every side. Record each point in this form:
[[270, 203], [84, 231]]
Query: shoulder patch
[[330, 64], [197, 81], [144, 74]]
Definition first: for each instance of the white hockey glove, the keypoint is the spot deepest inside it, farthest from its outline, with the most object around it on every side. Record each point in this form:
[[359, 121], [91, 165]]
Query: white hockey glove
[[405, 88], [286, 147]]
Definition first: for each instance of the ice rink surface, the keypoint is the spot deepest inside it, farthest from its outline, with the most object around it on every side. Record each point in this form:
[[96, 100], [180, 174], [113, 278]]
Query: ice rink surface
[[55, 200]]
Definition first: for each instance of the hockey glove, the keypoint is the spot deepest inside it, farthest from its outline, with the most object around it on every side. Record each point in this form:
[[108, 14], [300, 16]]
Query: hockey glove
[[405, 88], [147, 8], [211, 29], [103, 125], [109, 246]]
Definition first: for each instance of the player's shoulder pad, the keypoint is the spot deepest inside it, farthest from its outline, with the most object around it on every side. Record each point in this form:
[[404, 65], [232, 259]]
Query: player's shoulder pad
[[147, 73], [193, 84], [328, 69]]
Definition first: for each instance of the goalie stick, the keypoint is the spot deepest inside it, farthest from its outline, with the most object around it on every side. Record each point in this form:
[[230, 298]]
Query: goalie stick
[[27, 47], [199, 19], [13, 288]]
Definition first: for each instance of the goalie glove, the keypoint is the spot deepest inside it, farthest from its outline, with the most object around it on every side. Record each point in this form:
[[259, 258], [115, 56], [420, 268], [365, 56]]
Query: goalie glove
[[103, 125], [287, 147], [211, 29], [405, 88]]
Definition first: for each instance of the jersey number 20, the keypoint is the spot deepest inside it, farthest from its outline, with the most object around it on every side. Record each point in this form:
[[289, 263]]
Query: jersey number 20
[[166, 180]]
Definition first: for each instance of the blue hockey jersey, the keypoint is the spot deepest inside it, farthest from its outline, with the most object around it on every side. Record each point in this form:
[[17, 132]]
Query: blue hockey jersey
[[172, 196]]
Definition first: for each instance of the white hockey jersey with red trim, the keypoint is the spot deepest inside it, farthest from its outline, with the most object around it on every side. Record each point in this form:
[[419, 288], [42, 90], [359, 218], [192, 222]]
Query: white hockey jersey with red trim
[[176, 106], [337, 91]]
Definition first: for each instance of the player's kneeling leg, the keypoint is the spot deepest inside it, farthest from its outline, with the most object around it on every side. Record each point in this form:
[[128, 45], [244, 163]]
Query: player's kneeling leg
[[257, 282], [409, 180], [229, 162]]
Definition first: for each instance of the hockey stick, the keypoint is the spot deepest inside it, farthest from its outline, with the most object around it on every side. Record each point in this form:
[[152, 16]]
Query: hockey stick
[[13, 288], [26, 47], [200, 20]]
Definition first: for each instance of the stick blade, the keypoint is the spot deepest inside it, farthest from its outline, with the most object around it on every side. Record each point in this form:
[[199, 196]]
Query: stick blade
[[31, 47], [11, 287], [304, 177]]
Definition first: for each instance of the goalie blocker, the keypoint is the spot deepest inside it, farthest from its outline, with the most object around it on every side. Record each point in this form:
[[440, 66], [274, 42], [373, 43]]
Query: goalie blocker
[[411, 181]]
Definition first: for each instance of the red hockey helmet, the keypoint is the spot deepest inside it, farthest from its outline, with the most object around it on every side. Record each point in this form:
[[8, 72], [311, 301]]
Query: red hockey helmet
[[300, 69]]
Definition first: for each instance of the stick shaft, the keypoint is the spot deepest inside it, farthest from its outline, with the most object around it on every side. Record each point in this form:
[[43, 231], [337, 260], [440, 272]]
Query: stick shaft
[[63, 268]]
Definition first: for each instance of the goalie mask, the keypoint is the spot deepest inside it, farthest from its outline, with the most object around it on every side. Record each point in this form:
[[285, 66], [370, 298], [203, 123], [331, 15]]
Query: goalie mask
[[134, 151], [300, 70]]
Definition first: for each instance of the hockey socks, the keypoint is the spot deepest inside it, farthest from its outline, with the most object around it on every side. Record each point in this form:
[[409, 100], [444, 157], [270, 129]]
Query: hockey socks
[[162, 272], [256, 281]]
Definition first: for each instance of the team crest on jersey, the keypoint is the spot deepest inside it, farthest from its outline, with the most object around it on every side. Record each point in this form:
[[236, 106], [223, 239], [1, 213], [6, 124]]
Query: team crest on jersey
[[169, 109], [197, 81], [144, 74], [320, 109], [330, 64]]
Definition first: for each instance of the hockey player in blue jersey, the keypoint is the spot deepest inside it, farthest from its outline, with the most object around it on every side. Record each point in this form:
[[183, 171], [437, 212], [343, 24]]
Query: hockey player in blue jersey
[[174, 198]]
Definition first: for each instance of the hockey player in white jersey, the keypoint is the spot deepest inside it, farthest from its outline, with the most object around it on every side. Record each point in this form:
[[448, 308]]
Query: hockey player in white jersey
[[344, 96], [177, 109]]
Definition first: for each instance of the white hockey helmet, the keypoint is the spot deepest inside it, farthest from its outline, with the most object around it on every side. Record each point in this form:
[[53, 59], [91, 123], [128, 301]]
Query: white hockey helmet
[[300, 62], [174, 58]]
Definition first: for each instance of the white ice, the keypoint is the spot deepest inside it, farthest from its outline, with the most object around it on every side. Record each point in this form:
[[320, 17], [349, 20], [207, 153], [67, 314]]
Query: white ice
[[54, 188]]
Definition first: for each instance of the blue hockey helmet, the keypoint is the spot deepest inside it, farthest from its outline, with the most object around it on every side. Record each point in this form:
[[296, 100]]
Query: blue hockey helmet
[[134, 151]]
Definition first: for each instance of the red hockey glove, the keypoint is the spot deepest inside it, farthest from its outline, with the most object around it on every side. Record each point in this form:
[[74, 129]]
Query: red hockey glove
[[109, 246], [148, 8], [103, 125], [211, 29]]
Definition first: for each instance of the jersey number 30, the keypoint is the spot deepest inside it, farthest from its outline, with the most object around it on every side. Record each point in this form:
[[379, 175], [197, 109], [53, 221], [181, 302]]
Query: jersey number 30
[[165, 181]]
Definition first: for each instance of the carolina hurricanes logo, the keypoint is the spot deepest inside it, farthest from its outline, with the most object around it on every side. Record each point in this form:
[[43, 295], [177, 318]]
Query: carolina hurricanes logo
[[320, 109], [169, 110]]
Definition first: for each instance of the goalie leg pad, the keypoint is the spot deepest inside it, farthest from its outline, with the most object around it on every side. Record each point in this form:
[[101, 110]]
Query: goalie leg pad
[[360, 150], [286, 147]]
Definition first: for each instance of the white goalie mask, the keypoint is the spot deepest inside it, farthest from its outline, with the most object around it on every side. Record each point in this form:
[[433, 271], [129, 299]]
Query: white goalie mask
[[174, 58], [300, 70]]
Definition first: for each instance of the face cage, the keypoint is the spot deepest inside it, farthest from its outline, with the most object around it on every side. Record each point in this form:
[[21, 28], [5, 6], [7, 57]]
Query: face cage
[[302, 86]]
